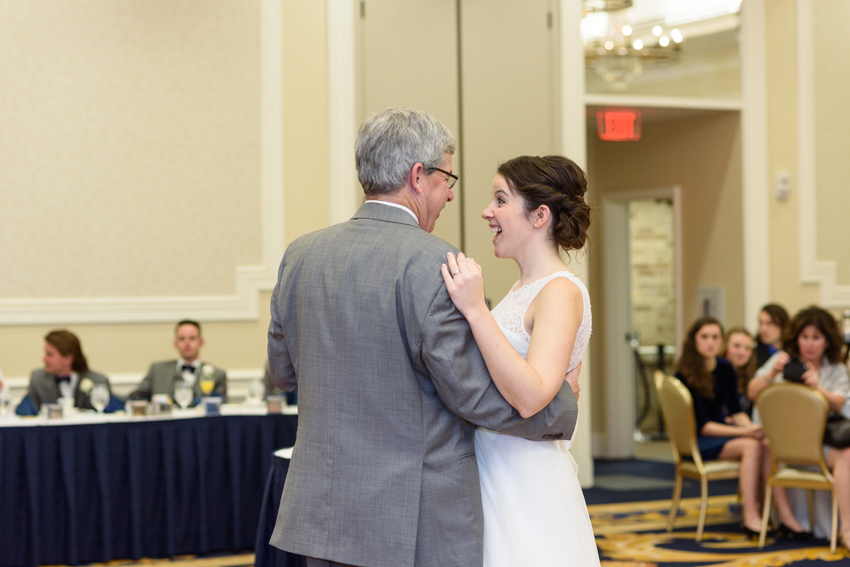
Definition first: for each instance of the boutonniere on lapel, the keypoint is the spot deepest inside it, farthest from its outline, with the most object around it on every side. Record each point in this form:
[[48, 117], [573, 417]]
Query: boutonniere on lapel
[[208, 370], [86, 385]]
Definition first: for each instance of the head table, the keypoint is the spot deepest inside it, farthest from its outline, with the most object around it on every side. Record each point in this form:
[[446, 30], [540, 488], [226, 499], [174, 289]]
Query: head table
[[93, 488]]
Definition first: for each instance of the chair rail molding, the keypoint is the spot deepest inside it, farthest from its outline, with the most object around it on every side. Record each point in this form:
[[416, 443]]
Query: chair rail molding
[[250, 280], [812, 271]]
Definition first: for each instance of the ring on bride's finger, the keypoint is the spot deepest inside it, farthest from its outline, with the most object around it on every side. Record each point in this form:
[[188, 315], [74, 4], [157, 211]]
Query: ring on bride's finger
[[456, 272]]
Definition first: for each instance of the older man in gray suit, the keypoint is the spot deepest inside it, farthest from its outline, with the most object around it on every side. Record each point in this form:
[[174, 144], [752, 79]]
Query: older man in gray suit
[[390, 381]]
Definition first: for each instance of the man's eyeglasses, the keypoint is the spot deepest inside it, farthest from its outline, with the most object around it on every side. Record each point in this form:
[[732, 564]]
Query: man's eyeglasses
[[452, 177]]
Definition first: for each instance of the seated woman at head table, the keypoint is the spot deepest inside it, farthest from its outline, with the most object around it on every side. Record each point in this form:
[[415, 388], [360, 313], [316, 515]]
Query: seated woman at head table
[[66, 373], [813, 338]]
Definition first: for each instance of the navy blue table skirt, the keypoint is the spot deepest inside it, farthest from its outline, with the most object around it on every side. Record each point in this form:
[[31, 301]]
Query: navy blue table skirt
[[74, 494], [266, 555]]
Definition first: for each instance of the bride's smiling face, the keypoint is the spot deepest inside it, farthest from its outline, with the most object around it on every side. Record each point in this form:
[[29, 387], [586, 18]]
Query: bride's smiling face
[[508, 221]]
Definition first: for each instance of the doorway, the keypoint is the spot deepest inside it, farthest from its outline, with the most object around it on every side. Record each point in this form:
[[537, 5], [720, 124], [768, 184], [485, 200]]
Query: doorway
[[641, 292]]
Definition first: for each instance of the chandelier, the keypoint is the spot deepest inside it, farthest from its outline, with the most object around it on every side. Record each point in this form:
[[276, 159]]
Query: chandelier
[[623, 53], [606, 5]]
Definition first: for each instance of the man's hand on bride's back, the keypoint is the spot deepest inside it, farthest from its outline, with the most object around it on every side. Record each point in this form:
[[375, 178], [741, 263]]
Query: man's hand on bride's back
[[572, 378], [465, 283]]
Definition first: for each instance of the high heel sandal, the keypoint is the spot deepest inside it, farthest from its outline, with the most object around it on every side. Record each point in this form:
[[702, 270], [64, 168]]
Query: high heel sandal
[[755, 534], [787, 533]]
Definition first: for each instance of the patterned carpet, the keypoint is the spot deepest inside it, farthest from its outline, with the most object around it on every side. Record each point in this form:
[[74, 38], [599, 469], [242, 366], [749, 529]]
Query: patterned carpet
[[633, 535]]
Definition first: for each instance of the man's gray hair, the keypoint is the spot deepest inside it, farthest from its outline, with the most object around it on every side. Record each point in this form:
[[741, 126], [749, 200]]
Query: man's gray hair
[[392, 141]]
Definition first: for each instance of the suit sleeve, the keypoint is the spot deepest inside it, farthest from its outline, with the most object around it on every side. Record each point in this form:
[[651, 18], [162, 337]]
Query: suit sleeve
[[144, 389], [464, 386], [32, 392], [221, 384], [281, 370]]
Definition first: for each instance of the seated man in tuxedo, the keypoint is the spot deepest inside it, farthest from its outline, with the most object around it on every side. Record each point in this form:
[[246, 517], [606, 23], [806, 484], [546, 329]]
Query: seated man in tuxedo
[[66, 373], [163, 376]]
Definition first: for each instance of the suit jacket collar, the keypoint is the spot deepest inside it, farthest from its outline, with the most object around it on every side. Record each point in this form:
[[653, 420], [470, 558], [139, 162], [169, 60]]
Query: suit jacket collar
[[384, 213]]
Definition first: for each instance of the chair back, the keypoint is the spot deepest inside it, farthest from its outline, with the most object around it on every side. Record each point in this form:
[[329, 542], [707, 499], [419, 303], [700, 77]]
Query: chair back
[[794, 418], [677, 406], [658, 377]]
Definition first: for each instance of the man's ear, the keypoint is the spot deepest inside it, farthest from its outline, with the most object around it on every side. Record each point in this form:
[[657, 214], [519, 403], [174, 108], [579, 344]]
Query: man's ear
[[417, 172]]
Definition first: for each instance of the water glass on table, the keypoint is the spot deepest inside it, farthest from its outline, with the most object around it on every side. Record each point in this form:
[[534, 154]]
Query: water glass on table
[[99, 397], [182, 394]]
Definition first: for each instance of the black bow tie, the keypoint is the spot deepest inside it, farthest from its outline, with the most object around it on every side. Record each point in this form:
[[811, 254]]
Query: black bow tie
[[63, 379], [188, 368]]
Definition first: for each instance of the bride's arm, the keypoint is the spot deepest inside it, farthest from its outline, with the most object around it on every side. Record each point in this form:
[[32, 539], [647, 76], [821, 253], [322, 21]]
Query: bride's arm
[[526, 384]]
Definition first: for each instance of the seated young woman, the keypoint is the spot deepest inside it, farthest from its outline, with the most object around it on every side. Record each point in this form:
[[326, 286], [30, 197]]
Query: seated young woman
[[773, 320], [725, 432], [739, 353], [813, 338]]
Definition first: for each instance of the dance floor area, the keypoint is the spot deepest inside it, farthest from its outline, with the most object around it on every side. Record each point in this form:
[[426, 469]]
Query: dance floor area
[[629, 505], [628, 508]]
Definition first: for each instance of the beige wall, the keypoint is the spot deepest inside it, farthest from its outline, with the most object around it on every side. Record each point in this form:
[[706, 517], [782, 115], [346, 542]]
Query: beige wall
[[153, 120], [701, 154], [832, 141], [784, 237], [129, 148], [829, 194]]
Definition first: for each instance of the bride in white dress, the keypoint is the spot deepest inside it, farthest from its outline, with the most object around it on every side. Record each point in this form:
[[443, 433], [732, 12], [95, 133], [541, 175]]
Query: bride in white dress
[[534, 510]]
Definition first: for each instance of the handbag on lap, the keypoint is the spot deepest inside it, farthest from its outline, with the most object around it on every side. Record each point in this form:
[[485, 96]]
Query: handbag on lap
[[837, 432]]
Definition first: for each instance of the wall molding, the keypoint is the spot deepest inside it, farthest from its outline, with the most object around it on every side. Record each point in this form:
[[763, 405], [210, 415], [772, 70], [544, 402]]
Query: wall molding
[[754, 159], [250, 280], [573, 143], [824, 273], [342, 111]]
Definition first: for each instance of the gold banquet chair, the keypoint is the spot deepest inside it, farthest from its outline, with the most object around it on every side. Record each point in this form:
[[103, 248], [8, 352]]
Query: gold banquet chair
[[794, 418], [677, 407]]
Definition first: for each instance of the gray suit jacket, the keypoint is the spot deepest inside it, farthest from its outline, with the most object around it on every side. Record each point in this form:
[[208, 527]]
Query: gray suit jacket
[[390, 387], [162, 376], [44, 390]]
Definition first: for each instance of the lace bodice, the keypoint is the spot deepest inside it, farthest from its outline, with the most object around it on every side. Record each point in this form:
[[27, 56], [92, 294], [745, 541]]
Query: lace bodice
[[509, 314]]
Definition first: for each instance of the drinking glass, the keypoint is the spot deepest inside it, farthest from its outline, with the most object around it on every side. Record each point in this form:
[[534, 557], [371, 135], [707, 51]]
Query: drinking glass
[[182, 394], [207, 383], [255, 392], [99, 397]]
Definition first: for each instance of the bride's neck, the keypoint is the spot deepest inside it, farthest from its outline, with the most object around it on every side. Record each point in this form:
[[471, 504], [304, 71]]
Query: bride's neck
[[538, 263]]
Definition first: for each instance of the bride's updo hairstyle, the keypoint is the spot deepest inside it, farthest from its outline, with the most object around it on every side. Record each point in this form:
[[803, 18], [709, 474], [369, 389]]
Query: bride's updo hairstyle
[[558, 183]]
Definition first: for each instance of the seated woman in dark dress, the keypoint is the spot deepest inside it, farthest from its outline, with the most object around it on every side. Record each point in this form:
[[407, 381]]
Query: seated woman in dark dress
[[725, 432]]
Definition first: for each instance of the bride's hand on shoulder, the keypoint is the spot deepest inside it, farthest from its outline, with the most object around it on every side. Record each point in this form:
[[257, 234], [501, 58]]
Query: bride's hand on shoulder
[[465, 283]]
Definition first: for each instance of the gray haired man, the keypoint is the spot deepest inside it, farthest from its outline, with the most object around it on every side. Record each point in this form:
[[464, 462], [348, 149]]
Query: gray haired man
[[390, 381]]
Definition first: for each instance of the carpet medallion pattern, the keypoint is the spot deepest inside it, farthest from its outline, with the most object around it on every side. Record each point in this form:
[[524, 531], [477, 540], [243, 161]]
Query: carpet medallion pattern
[[634, 535]]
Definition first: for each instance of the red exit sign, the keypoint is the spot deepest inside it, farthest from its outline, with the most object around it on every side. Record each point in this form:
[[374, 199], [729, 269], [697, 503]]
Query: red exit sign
[[618, 125]]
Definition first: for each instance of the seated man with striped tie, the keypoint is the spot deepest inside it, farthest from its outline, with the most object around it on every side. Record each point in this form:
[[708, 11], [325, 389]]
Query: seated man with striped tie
[[202, 378], [66, 373]]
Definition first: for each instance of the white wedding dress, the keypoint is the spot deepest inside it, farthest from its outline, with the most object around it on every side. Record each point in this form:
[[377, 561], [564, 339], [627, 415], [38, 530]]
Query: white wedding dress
[[534, 510]]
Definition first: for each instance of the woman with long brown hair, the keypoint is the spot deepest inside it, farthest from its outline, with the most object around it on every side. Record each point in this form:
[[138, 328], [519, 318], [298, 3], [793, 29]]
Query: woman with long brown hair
[[813, 339], [66, 373], [725, 432]]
